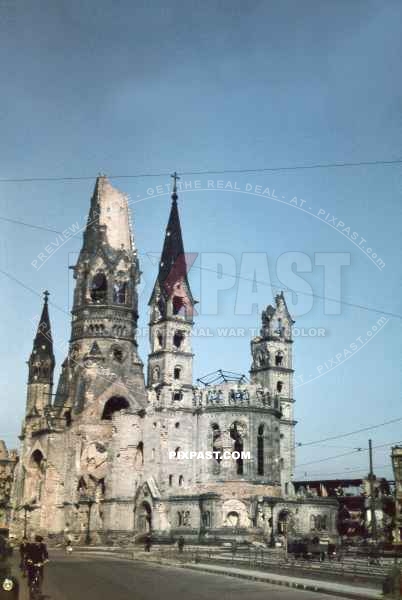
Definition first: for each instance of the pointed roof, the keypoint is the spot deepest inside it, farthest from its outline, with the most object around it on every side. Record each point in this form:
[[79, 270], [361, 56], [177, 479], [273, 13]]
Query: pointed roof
[[173, 247], [173, 266], [43, 342]]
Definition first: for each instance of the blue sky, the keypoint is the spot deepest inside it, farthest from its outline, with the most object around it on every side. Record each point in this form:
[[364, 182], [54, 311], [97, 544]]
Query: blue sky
[[130, 88]]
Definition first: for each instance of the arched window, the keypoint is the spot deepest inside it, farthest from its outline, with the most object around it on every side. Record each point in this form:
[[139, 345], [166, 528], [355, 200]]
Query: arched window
[[279, 386], [99, 288], [279, 359], [177, 395], [159, 338], [206, 518], [67, 417], [161, 308], [156, 374], [114, 404], [216, 442], [117, 353], [178, 306], [139, 455], [39, 464], [37, 458], [232, 519], [178, 339], [170, 480], [279, 327], [120, 292], [237, 447], [176, 372], [181, 480], [260, 450]]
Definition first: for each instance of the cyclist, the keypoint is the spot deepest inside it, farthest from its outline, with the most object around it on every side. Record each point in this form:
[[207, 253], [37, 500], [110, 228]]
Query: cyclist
[[36, 554]]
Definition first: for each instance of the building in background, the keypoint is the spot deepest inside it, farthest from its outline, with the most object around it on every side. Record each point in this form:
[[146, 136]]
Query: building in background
[[396, 457], [353, 496], [8, 461]]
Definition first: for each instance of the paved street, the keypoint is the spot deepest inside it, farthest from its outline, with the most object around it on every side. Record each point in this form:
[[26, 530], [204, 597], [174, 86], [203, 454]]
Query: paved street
[[79, 578]]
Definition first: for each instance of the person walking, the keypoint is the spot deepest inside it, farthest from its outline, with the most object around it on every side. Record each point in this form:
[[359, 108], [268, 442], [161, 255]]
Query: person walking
[[147, 543], [180, 544], [68, 539]]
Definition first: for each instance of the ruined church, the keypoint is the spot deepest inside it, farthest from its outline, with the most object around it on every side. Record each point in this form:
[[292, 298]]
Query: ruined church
[[100, 453]]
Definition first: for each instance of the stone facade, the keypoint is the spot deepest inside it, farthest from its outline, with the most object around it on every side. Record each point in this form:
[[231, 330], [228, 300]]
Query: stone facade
[[109, 459], [8, 461]]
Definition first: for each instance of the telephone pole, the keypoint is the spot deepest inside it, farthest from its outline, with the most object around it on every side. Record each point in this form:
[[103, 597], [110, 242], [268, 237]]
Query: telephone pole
[[372, 498]]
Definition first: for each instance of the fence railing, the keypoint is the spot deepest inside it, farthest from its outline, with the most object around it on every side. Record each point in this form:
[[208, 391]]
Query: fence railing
[[268, 559]]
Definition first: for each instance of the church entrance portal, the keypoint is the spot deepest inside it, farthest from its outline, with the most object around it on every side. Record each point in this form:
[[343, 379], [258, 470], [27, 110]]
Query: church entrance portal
[[145, 518]]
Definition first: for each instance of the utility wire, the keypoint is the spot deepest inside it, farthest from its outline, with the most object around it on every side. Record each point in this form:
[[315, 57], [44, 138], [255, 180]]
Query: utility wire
[[349, 433], [17, 222], [320, 460], [285, 289], [379, 311], [27, 287], [249, 279], [332, 165], [300, 444], [356, 470]]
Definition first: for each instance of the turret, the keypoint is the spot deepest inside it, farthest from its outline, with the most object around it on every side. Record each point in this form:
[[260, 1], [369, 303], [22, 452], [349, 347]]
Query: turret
[[41, 365], [272, 368]]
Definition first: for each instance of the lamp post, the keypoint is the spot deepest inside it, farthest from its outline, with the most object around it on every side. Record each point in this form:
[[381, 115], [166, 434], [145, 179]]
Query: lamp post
[[27, 508], [272, 540], [90, 503]]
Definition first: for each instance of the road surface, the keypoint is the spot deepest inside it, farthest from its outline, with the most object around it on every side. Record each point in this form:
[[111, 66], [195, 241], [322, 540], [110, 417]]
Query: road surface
[[83, 578]]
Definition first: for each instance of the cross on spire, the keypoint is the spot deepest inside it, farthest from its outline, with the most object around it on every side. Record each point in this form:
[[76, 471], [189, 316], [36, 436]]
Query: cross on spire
[[46, 295], [175, 178]]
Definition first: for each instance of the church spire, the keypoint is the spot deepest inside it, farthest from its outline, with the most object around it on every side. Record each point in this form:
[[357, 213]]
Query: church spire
[[43, 342], [41, 362], [172, 282], [170, 362], [173, 248]]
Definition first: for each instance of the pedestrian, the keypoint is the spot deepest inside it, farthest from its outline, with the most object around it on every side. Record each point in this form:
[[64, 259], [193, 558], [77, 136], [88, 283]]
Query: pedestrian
[[234, 548], [180, 544], [147, 543], [68, 539]]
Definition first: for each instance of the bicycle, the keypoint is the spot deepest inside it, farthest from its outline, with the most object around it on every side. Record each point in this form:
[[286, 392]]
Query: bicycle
[[35, 579]]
